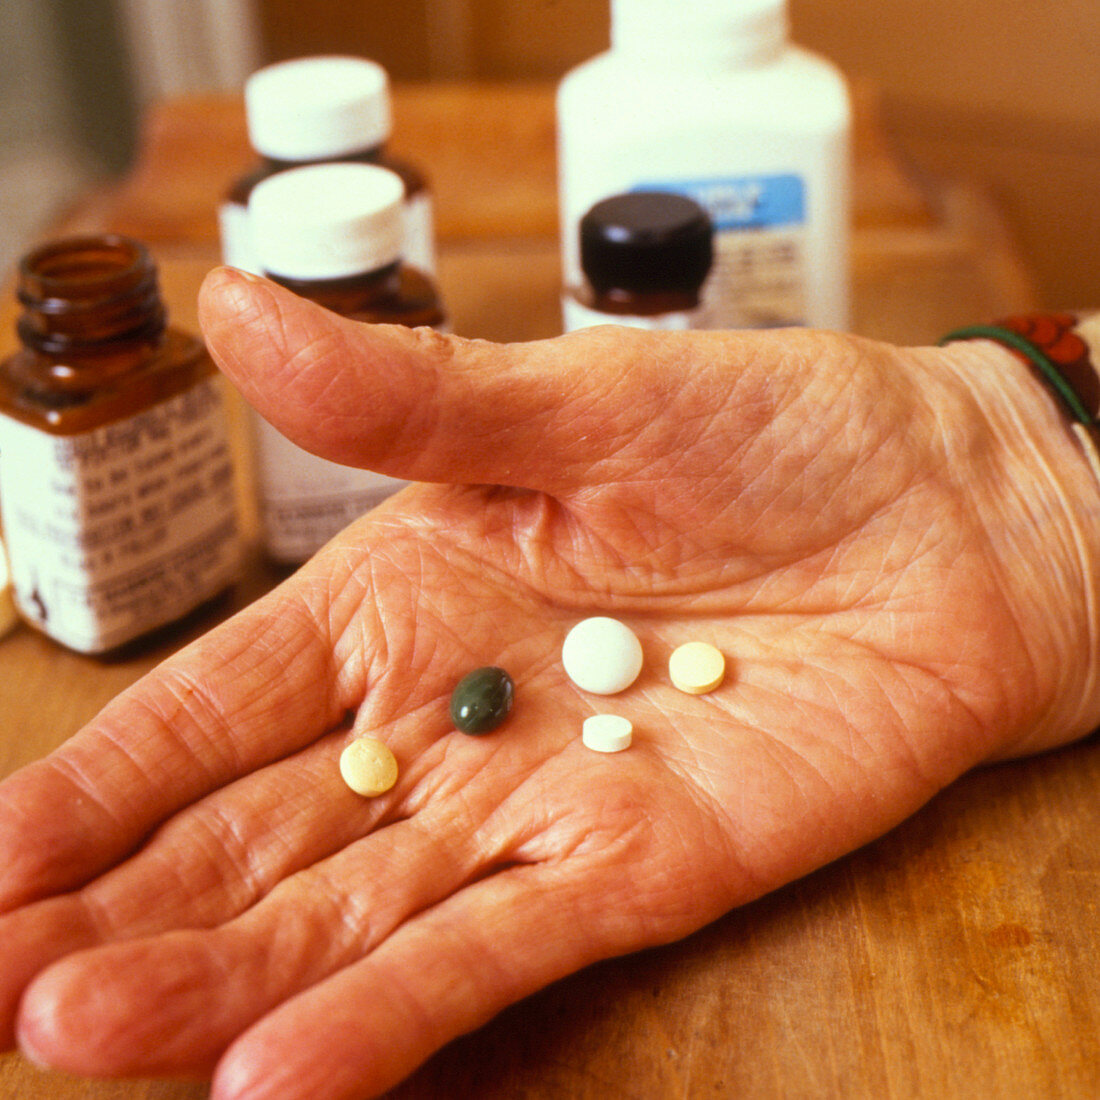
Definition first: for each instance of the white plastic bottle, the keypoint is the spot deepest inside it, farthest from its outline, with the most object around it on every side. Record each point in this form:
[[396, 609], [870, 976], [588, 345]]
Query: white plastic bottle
[[313, 110], [710, 99]]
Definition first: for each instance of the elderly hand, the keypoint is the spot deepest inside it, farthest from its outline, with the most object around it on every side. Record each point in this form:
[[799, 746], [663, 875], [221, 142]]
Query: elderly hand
[[896, 551]]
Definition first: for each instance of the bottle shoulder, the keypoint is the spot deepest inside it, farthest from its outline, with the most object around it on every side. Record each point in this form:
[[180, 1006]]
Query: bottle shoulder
[[648, 303], [400, 295], [112, 389], [411, 299], [796, 82]]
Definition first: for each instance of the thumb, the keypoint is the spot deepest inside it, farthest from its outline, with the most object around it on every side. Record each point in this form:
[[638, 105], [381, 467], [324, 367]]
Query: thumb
[[553, 415]]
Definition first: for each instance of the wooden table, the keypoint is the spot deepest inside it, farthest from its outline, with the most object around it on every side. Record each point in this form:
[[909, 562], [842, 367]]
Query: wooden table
[[954, 958]]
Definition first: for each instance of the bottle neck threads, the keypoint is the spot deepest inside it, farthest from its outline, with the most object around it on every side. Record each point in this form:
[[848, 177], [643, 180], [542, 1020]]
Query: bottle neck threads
[[88, 296]]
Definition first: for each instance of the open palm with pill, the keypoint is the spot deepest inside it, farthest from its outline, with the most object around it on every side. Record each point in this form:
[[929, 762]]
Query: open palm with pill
[[894, 551]]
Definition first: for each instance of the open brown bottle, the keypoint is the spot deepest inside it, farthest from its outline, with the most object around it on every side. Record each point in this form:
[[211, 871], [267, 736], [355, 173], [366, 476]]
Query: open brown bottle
[[117, 488]]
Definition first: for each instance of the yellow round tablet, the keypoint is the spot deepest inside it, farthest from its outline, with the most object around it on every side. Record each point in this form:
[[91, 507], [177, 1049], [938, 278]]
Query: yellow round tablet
[[368, 767], [696, 667]]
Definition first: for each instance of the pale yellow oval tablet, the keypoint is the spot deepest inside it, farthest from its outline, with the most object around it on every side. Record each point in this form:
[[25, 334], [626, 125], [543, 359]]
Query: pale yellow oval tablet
[[368, 767], [696, 667]]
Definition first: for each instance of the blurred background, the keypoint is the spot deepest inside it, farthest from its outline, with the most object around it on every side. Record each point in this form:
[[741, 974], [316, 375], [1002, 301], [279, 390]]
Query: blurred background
[[992, 91]]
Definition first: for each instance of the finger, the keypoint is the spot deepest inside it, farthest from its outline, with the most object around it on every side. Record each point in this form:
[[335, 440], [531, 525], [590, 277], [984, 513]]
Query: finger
[[201, 869], [551, 415], [209, 864], [254, 690], [443, 974], [34, 937], [326, 913], [172, 1003]]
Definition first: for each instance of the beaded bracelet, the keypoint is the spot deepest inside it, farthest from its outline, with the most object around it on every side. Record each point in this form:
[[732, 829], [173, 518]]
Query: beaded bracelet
[[1059, 348]]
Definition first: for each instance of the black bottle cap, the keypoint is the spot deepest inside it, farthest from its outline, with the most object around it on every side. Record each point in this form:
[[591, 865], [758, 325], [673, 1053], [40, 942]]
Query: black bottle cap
[[645, 241]]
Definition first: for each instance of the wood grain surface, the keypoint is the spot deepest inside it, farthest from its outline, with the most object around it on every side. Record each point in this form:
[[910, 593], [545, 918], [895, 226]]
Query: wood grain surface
[[953, 958]]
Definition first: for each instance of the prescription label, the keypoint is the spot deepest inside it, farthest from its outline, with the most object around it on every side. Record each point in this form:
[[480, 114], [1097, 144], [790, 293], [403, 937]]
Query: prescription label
[[418, 246], [119, 530], [304, 500], [236, 237], [758, 279]]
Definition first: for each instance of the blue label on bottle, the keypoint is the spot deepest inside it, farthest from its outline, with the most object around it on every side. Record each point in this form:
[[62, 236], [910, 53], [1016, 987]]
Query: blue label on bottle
[[745, 202], [758, 279]]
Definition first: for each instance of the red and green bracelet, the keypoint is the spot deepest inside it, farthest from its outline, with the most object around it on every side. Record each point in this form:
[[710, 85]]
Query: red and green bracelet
[[1063, 350]]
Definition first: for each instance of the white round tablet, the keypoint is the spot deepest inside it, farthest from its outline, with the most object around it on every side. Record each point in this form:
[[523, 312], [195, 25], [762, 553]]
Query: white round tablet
[[602, 655], [607, 733]]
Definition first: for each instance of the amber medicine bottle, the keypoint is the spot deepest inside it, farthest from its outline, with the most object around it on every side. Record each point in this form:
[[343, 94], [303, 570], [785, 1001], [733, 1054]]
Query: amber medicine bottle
[[645, 256], [710, 99], [331, 233], [313, 110], [116, 479]]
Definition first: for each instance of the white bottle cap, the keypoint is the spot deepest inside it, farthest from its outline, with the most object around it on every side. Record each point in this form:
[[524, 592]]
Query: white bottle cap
[[316, 108], [327, 221], [739, 30]]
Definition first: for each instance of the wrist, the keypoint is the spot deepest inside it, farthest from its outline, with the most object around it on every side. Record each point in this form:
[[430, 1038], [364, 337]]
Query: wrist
[[1036, 380], [1062, 350]]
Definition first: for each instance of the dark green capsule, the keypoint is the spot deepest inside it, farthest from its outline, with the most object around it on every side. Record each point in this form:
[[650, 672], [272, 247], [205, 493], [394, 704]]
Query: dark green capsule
[[482, 700]]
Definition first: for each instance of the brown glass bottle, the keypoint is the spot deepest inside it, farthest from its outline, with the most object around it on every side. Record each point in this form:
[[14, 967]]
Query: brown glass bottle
[[331, 233], [116, 479], [96, 344], [318, 110]]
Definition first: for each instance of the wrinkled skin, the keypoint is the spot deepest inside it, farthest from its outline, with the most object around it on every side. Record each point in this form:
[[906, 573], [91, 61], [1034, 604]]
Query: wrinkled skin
[[895, 550]]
